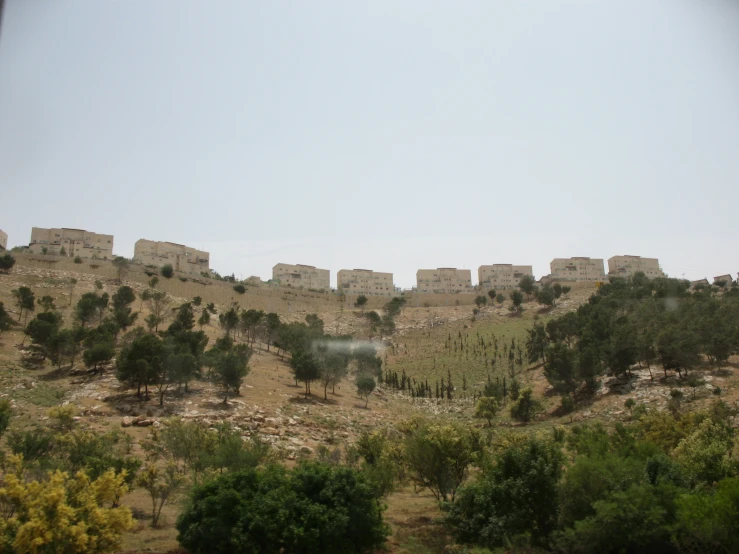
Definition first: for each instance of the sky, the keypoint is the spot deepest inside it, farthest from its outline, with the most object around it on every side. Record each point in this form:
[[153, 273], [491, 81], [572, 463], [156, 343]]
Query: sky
[[384, 135]]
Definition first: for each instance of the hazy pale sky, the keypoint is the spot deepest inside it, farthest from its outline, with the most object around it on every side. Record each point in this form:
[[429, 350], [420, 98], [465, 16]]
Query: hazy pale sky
[[377, 134]]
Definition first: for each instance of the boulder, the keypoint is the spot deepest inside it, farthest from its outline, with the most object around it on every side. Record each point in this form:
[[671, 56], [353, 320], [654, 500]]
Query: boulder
[[126, 422]]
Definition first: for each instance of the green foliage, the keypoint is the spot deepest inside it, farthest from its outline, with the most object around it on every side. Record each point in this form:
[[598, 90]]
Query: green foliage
[[526, 407], [486, 408], [6, 412], [139, 362], [516, 299], [705, 453], [25, 300], [515, 497], [527, 285], [365, 386], [709, 522], [7, 261], [500, 298], [313, 508], [231, 365], [481, 300], [241, 289], [167, 271], [438, 457], [77, 260], [546, 296], [90, 308], [361, 301], [305, 368], [637, 519], [5, 320], [197, 300], [536, 343]]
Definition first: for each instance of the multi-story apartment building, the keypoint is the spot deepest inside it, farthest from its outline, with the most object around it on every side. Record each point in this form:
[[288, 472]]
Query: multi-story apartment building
[[444, 279], [625, 266], [71, 242], [578, 269], [502, 276], [182, 258], [366, 282], [302, 276], [3, 240]]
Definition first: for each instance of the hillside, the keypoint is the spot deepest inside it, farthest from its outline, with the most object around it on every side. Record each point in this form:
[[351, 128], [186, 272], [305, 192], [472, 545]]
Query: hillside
[[426, 346]]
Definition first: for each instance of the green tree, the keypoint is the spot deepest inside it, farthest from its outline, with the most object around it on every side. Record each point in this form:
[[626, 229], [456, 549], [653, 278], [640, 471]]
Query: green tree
[[229, 320], [158, 303], [438, 458], [241, 289], [546, 296], [361, 302], [517, 299], [481, 300], [162, 484], [491, 294], [566, 290], [204, 319], [42, 330], [122, 311], [167, 271], [560, 367], [305, 368], [500, 298], [5, 320], [121, 265], [7, 262], [90, 308], [486, 408], [365, 386], [517, 496], [25, 300], [46, 303], [313, 508], [138, 362], [231, 368], [557, 290], [708, 521], [527, 285], [536, 343], [526, 407]]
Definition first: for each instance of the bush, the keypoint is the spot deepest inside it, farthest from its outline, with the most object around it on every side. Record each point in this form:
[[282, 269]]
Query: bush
[[516, 497], [63, 513], [313, 508], [241, 289], [6, 263], [167, 271], [438, 457]]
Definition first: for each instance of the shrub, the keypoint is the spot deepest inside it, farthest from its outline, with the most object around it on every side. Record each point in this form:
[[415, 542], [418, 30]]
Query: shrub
[[63, 513], [313, 508], [241, 289], [167, 271], [516, 497], [6, 263], [438, 457]]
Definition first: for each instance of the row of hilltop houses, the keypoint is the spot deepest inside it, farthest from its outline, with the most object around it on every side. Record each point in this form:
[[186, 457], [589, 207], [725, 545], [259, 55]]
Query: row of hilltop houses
[[82, 244], [452, 280]]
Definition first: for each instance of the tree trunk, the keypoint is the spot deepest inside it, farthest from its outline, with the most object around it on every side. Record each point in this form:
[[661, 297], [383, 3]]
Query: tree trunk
[[225, 398]]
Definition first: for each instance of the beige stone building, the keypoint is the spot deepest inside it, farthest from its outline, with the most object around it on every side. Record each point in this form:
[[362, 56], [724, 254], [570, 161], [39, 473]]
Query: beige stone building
[[502, 276], [182, 258], [578, 269], [74, 242], [366, 282], [3, 240], [723, 278], [302, 276], [626, 266], [443, 279]]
